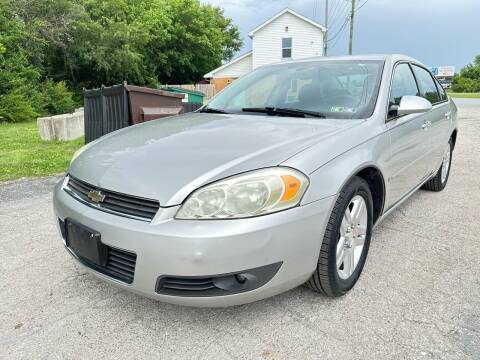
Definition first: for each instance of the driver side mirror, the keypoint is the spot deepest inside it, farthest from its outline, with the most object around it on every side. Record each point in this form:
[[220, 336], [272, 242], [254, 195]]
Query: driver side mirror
[[411, 105]]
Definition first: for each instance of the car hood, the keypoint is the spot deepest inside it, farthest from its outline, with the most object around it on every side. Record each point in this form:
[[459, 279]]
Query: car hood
[[167, 159]]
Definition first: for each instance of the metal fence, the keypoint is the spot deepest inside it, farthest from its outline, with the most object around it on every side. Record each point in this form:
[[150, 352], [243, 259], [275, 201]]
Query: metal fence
[[111, 108], [105, 110]]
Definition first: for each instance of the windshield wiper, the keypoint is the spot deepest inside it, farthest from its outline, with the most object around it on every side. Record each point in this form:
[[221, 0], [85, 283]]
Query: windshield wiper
[[213, 110], [270, 110]]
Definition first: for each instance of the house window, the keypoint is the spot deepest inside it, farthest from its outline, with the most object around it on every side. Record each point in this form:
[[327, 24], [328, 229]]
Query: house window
[[286, 48]]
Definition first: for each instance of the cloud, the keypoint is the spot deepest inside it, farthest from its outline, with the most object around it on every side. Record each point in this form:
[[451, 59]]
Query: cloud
[[437, 32]]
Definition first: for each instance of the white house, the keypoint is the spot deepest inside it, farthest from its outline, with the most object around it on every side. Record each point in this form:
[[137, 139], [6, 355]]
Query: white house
[[287, 35]]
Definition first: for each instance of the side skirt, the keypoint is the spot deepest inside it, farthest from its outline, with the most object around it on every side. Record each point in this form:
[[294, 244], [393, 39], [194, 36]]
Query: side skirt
[[400, 202]]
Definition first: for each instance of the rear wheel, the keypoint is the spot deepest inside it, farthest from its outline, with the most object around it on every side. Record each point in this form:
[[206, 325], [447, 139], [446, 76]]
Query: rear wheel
[[346, 241], [439, 181]]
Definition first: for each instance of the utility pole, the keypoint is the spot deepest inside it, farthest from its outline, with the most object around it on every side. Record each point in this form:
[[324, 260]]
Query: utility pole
[[352, 15], [325, 37]]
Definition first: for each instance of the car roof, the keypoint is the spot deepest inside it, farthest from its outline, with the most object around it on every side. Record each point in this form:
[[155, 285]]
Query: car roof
[[382, 57]]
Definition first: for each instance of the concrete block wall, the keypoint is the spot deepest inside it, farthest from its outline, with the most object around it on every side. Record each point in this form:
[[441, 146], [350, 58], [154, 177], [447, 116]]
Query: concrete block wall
[[62, 127]]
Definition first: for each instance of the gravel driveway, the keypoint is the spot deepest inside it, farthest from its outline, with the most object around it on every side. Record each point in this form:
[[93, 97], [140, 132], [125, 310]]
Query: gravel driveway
[[418, 297]]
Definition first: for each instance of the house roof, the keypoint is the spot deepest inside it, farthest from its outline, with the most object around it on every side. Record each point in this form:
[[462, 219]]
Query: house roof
[[210, 74], [284, 11], [176, 89], [250, 34]]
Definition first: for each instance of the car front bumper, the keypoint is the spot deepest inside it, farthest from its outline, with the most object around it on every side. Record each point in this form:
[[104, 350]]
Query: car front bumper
[[190, 248]]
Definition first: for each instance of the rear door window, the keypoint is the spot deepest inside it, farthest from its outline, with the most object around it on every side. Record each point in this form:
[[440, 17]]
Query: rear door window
[[428, 89], [441, 91]]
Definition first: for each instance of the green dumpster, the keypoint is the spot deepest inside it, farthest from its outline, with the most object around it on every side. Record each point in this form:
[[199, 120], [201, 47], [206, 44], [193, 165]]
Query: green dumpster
[[191, 96]]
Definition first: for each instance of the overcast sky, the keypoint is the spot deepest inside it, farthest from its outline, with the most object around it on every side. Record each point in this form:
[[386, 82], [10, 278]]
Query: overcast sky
[[437, 32]]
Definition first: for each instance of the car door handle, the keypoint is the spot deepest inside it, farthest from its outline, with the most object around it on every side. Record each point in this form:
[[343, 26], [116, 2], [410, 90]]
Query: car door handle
[[426, 125], [448, 115]]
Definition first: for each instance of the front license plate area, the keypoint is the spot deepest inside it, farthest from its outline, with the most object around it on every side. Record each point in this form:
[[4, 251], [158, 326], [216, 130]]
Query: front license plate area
[[85, 243]]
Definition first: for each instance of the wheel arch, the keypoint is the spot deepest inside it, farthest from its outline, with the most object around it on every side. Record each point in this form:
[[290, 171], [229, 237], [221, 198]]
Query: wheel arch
[[376, 182], [332, 179], [366, 160]]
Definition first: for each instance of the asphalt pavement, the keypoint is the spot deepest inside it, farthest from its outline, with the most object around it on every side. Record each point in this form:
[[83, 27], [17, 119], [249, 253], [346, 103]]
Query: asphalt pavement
[[418, 296]]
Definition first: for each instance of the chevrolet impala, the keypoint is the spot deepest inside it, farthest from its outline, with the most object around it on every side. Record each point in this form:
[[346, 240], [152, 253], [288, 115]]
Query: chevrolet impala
[[277, 182]]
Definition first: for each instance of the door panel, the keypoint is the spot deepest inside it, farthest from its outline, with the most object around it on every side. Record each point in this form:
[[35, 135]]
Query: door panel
[[438, 133], [409, 147], [438, 117], [409, 162]]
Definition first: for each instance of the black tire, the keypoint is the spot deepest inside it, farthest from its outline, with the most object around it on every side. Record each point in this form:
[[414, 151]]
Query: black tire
[[435, 183], [325, 279]]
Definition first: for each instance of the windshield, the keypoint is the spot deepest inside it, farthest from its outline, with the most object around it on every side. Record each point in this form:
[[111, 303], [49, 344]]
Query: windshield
[[341, 89]]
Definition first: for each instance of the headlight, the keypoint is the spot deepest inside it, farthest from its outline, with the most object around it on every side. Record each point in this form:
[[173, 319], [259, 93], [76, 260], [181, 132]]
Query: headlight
[[250, 194]]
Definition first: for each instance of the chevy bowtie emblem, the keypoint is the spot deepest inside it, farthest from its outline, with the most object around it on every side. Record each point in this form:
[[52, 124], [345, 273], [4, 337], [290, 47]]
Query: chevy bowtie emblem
[[96, 196]]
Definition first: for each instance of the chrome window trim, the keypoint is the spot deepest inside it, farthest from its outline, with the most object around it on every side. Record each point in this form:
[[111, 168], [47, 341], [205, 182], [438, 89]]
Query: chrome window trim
[[388, 119], [410, 64], [433, 78]]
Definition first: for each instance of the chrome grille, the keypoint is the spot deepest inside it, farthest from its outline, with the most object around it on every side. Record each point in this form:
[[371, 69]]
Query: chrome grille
[[113, 202]]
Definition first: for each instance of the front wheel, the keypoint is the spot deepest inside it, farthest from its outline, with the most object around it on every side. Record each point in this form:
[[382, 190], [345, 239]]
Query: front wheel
[[346, 241], [439, 181]]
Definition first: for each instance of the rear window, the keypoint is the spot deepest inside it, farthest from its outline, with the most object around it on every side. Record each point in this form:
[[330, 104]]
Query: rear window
[[441, 91], [428, 89]]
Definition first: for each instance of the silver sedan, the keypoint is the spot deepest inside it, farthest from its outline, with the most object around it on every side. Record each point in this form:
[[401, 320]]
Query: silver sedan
[[277, 182]]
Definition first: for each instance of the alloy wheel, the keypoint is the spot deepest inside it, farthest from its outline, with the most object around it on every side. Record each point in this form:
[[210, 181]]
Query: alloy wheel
[[353, 231], [445, 163]]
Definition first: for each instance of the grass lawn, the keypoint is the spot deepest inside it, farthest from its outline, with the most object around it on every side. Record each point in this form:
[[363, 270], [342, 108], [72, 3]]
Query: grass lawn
[[465, 95], [24, 154]]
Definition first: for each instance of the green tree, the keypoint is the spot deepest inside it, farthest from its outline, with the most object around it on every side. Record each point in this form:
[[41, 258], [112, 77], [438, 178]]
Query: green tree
[[55, 98], [16, 73], [469, 78], [465, 85], [146, 42], [50, 47], [24, 91], [201, 38]]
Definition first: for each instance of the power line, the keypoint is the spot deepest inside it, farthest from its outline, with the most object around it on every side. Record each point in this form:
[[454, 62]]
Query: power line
[[358, 8], [348, 19], [340, 33], [352, 16], [334, 8], [342, 4], [340, 30], [340, 13], [316, 10]]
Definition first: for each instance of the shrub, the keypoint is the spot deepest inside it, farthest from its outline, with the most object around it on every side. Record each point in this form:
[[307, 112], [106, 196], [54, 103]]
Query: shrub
[[27, 103], [55, 98], [464, 84], [16, 107]]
